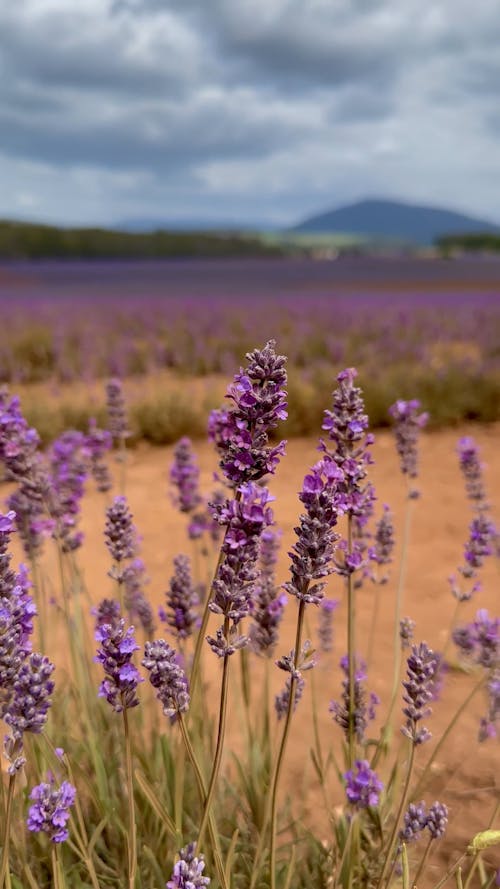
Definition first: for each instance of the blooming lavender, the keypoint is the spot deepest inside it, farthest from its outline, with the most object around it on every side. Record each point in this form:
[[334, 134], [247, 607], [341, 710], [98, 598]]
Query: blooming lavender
[[31, 690], [437, 820], [16, 625], [418, 686], [106, 612], [121, 676], [282, 700], [51, 810], [363, 709], [327, 608], [233, 587], [407, 425], [68, 460], [414, 822], [383, 548], [479, 644], [117, 414], [166, 676], [185, 475], [134, 598], [188, 871], [477, 548], [269, 603], [363, 787], [305, 661], [406, 629], [472, 471], [241, 433], [98, 442], [182, 600], [120, 536]]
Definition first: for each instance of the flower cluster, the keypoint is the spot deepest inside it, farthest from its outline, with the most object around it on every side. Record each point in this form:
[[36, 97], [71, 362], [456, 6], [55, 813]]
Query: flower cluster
[[383, 547], [233, 588], [241, 434], [363, 709], [106, 612], [167, 676], [312, 554], [472, 471], [120, 536], [305, 661], [408, 423], [479, 643], [98, 442], [363, 787], [117, 415], [188, 871], [417, 818], [31, 691], [185, 475], [269, 603], [51, 810], [419, 690], [115, 654], [181, 613], [68, 461]]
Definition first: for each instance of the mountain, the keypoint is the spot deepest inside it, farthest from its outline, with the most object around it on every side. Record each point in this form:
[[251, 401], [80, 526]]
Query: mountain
[[394, 220]]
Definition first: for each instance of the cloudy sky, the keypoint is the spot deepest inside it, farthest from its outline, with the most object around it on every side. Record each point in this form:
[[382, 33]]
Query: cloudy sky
[[257, 111]]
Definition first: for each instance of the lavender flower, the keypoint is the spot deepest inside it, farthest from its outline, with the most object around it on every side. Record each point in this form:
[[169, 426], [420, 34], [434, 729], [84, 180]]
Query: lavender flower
[[437, 819], [489, 726], [472, 471], [325, 631], [312, 555], [421, 670], [117, 415], [241, 434], [408, 423], [363, 710], [182, 600], [184, 475], [188, 871], [68, 459], [233, 587], [120, 535], [269, 604], [107, 612], [415, 821], [16, 626], [167, 676], [479, 643], [135, 601], [406, 628], [282, 700], [50, 812], [122, 677], [363, 787], [382, 551], [31, 691], [98, 442]]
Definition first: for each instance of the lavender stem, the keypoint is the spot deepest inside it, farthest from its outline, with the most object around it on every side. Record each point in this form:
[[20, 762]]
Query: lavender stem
[[402, 804], [423, 861], [132, 851], [284, 738], [351, 645], [6, 837]]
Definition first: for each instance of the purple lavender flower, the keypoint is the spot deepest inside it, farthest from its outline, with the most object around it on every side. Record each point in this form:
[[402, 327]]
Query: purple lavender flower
[[185, 475], [117, 415], [408, 423], [282, 700], [167, 676], [98, 442], [233, 587], [135, 601], [479, 643], [363, 710], [31, 691], [382, 551], [437, 820], [472, 471], [363, 787], [269, 604], [16, 626], [241, 434], [188, 871], [421, 670], [120, 535], [406, 628], [312, 555], [68, 459], [182, 600], [325, 630], [50, 812], [489, 726], [106, 612], [415, 821], [122, 677]]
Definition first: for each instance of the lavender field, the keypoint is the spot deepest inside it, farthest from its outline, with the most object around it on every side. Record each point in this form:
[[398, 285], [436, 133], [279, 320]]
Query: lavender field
[[424, 328]]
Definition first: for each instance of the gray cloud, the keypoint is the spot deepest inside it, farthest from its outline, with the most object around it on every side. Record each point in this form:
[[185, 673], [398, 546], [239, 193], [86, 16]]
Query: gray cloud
[[252, 109]]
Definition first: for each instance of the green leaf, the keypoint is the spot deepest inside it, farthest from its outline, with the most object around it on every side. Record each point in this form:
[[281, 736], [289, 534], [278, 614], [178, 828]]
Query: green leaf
[[406, 867], [484, 839]]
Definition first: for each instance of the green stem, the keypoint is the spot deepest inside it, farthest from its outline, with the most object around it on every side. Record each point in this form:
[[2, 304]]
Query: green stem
[[444, 736], [402, 804], [374, 622], [6, 836], [220, 740], [212, 828], [284, 738], [423, 861], [351, 652], [477, 858], [339, 869], [132, 848]]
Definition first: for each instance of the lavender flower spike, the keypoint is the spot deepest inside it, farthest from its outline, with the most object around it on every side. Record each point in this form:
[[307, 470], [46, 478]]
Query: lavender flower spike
[[415, 821], [363, 787], [188, 871], [50, 812], [269, 603], [184, 475], [27, 711], [437, 820], [408, 423], [117, 415], [472, 471], [421, 670], [363, 710], [119, 535], [167, 676], [122, 677], [182, 599]]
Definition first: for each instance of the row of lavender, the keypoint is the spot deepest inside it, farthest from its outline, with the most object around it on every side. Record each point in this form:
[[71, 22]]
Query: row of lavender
[[378, 822]]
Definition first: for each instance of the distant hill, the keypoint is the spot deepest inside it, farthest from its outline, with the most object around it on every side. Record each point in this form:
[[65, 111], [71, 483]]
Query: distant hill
[[395, 221]]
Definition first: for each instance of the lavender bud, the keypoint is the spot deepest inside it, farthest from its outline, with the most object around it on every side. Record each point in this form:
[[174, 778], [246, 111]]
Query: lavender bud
[[167, 676], [119, 534], [382, 552], [437, 819], [325, 631], [28, 708], [184, 475], [50, 812], [363, 710], [107, 612], [269, 604], [363, 787], [282, 701], [182, 600], [415, 821], [115, 654], [117, 416], [408, 423], [472, 471], [188, 871], [421, 670], [98, 442], [406, 628], [134, 598]]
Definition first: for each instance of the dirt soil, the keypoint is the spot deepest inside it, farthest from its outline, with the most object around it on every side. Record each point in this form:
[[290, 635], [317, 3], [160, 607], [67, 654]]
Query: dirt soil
[[466, 775]]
